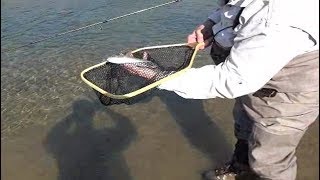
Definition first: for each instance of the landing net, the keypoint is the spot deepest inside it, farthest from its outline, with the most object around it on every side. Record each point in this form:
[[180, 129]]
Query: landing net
[[131, 77]]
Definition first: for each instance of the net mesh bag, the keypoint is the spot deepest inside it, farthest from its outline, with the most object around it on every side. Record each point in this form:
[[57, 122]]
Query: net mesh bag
[[119, 81]]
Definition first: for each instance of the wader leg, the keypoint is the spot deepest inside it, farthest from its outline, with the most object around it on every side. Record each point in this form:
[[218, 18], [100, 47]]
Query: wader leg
[[242, 123], [242, 131], [271, 155], [281, 117]]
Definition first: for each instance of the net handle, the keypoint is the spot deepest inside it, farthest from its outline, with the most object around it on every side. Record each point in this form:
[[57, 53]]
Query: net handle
[[196, 46]]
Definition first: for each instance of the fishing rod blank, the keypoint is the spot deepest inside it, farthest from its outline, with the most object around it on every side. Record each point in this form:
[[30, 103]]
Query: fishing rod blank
[[97, 23]]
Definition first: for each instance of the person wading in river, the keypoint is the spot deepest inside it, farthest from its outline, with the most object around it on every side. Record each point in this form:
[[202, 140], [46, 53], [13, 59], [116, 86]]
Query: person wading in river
[[266, 58]]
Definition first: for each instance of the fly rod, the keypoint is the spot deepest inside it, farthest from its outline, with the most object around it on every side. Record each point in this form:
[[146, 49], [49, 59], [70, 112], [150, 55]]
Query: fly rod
[[94, 24]]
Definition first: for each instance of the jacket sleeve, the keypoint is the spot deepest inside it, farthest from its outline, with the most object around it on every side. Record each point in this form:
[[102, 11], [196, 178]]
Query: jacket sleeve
[[252, 62]]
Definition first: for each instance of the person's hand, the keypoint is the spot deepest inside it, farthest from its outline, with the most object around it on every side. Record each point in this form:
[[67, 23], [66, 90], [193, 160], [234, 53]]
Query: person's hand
[[202, 34], [196, 36]]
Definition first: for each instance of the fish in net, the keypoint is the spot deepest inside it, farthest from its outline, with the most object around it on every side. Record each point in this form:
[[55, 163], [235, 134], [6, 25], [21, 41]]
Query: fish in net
[[130, 77]]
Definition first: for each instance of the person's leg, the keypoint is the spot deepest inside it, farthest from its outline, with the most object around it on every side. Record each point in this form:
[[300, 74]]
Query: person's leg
[[239, 163], [242, 130], [272, 155], [279, 124]]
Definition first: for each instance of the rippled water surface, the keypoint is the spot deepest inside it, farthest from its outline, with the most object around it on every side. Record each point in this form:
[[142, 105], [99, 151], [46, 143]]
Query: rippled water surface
[[41, 81], [53, 127]]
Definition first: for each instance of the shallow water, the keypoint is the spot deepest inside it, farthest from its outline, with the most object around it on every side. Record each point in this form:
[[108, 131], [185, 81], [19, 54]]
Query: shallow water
[[53, 127], [43, 80]]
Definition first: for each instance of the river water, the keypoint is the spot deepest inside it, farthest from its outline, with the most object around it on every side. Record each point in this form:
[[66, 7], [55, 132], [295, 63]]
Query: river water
[[52, 125]]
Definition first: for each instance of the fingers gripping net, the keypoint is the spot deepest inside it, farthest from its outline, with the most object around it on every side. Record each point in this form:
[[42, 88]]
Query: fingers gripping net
[[127, 79]]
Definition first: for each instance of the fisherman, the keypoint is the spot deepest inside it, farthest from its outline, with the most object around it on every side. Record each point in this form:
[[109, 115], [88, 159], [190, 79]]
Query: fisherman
[[266, 58]]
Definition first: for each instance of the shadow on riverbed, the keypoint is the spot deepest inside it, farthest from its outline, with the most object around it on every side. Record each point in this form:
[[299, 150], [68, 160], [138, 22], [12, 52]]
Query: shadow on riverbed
[[197, 126], [83, 152]]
